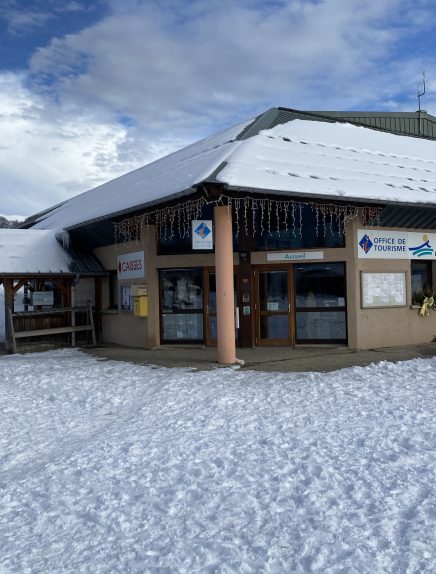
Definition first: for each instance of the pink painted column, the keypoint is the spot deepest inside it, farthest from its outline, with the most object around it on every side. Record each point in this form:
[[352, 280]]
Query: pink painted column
[[225, 305]]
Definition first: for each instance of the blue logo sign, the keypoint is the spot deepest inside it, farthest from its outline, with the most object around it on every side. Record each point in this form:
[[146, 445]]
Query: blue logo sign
[[202, 230], [423, 249], [366, 243]]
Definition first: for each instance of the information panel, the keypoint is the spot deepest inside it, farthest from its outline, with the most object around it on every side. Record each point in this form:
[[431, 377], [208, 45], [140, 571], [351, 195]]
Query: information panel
[[383, 289]]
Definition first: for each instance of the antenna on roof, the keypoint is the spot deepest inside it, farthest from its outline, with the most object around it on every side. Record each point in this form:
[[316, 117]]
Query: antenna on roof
[[423, 90]]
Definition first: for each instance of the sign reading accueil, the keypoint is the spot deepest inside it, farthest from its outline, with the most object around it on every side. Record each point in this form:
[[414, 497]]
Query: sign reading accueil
[[202, 235], [295, 256], [395, 244], [131, 265]]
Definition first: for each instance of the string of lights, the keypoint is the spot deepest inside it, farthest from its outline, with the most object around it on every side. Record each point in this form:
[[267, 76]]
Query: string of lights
[[285, 215]]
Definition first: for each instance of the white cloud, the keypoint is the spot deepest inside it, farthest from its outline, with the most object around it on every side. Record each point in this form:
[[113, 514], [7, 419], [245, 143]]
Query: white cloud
[[181, 70], [22, 17], [48, 154]]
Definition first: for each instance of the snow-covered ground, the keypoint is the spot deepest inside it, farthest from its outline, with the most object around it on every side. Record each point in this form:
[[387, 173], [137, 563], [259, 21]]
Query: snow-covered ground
[[121, 468]]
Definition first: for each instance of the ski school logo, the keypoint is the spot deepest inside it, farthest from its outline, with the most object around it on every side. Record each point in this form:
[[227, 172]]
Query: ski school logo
[[202, 230], [366, 243], [424, 249]]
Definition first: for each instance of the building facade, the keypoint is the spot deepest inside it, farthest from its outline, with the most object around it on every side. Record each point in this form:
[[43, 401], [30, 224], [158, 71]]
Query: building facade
[[333, 219]]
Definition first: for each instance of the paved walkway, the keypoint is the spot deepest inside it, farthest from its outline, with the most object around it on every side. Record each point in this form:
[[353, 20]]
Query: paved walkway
[[266, 358]]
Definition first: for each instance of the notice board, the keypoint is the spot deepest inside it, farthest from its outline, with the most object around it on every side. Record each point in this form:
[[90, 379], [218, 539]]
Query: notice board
[[383, 289]]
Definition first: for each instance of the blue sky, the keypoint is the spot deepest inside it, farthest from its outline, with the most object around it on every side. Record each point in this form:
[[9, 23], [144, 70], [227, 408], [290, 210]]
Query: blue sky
[[91, 90]]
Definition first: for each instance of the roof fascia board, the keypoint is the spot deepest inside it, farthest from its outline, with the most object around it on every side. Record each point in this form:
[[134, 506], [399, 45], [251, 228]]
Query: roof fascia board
[[340, 200]]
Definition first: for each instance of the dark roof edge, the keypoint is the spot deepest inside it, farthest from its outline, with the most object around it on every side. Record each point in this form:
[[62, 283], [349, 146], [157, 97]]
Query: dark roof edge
[[261, 122], [324, 198], [372, 114]]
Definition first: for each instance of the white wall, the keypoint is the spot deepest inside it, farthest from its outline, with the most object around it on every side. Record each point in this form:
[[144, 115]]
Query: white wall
[[2, 314]]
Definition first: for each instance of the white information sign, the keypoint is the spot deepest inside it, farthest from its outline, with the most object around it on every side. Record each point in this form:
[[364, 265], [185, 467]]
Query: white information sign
[[373, 244], [295, 256], [43, 298], [131, 265], [202, 234], [383, 289]]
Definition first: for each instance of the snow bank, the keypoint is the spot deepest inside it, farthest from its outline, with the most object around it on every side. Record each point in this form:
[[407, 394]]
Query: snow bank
[[113, 467]]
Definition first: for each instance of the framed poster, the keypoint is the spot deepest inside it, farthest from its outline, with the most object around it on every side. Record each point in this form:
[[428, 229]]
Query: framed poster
[[126, 298], [383, 289]]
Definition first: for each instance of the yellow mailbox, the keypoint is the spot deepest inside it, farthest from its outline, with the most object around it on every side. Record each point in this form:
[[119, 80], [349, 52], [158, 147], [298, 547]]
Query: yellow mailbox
[[140, 306], [140, 300]]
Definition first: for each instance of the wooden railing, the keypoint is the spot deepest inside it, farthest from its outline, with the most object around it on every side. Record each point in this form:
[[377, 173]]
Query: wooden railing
[[32, 333]]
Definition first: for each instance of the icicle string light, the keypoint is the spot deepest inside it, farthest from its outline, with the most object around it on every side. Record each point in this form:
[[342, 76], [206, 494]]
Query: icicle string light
[[290, 212]]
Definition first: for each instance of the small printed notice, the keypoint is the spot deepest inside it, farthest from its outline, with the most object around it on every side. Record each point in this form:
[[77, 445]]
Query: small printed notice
[[383, 289], [45, 298], [202, 234]]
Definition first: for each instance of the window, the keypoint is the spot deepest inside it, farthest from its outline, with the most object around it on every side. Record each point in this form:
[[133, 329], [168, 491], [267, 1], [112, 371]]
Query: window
[[181, 305], [320, 303], [303, 232], [422, 284], [113, 290]]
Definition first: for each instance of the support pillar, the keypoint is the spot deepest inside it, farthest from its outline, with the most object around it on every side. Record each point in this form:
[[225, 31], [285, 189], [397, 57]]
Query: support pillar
[[224, 286], [9, 302]]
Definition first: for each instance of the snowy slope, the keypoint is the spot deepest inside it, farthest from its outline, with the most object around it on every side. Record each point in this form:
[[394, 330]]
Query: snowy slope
[[111, 467], [314, 159]]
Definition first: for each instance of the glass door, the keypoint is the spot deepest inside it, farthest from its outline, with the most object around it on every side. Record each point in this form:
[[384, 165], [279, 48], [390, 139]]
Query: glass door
[[273, 307]]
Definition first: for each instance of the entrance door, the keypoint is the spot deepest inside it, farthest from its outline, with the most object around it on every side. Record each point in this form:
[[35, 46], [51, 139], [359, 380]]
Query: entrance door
[[273, 307]]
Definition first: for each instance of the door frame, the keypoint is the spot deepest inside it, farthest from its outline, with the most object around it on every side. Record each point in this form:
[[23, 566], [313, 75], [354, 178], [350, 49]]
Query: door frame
[[290, 341], [208, 341]]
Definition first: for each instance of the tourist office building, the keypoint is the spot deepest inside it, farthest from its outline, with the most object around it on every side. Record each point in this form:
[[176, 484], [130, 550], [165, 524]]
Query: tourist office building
[[299, 228]]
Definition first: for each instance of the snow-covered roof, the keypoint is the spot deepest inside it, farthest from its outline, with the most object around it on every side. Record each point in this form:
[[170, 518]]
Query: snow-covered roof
[[335, 160], [32, 251], [303, 158]]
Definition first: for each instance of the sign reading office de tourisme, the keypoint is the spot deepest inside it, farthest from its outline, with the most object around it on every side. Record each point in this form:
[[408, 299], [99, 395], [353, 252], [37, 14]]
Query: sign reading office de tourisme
[[373, 244]]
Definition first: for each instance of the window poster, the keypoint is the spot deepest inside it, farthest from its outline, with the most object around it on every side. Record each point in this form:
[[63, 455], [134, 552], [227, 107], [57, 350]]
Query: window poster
[[383, 289]]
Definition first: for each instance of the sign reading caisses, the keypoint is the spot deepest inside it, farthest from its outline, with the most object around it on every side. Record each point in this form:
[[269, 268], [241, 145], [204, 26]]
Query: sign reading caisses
[[131, 265]]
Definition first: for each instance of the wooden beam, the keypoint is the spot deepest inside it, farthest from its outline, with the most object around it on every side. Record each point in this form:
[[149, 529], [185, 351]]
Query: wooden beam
[[18, 286], [12, 337], [91, 322], [54, 331]]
